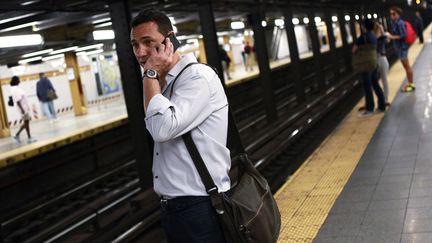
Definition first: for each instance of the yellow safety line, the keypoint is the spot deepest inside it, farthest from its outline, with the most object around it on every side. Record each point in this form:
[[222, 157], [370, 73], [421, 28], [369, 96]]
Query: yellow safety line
[[307, 197]]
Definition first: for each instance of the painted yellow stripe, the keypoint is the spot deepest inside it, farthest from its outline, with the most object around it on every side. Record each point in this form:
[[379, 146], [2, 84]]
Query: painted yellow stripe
[[307, 197], [46, 145]]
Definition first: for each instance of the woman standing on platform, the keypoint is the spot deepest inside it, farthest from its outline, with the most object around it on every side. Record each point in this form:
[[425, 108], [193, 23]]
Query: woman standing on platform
[[383, 64], [21, 102]]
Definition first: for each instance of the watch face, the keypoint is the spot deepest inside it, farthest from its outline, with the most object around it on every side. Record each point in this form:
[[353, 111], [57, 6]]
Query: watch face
[[151, 73]]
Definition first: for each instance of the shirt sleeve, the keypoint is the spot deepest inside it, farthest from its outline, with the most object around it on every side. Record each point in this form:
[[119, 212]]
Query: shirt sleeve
[[402, 29], [188, 108]]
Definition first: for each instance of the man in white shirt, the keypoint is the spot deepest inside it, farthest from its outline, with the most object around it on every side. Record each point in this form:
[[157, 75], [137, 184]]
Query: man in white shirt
[[196, 103], [20, 100]]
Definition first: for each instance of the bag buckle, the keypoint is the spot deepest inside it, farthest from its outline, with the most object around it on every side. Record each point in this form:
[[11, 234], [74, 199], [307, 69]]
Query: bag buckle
[[209, 191]]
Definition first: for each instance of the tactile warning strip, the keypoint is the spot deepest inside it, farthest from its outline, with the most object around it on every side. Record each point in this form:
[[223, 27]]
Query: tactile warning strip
[[307, 197]]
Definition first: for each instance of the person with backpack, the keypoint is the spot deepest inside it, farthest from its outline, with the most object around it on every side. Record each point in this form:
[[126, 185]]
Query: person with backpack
[[370, 78], [399, 34]]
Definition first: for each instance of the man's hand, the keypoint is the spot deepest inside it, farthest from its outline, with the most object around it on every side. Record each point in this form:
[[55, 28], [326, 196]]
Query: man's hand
[[161, 59]]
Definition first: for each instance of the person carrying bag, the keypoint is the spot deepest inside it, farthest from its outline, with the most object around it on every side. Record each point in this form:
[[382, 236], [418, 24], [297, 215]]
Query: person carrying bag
[[365, 58], [247, 212]]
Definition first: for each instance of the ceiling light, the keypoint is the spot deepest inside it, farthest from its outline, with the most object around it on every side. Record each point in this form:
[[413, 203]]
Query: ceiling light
[[18, 17], [64, 50], [101, 20], [103, 35], [295, 21], [236, 25], [24, 61], [53, 57], [94, 52], [29, 2], [37, 53], [21, 26], [306, 20], [317, 20], [375, 15], [89, 47], [279, 22], [357, 17], [20, 40], [103, 25], [369, 16], [334, 18], [347, 18], [263, 23]]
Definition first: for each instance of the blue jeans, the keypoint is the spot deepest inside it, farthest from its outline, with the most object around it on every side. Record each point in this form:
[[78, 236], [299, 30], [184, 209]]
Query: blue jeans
[[370, 80], [48, 110], [190, 219]]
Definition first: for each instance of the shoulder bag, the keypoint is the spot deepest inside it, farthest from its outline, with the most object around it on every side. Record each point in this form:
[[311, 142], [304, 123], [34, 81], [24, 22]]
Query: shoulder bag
[[248, 211], [365, 58]]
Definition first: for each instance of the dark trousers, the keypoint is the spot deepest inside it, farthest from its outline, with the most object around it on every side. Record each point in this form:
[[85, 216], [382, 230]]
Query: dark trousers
[[370, 80], [190, 220], [420, 36]]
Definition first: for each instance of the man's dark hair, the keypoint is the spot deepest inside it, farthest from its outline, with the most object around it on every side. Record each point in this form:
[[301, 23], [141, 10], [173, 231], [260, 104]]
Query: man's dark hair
[[14, 81], [369, 24], [153, 15], [396, 9]]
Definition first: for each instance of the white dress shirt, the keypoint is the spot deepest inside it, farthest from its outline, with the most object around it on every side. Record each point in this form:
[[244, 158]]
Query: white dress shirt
[[198, 104]]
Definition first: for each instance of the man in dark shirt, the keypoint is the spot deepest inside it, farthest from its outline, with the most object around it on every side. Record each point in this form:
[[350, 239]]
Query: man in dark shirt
[[419, 26], [43, 86]]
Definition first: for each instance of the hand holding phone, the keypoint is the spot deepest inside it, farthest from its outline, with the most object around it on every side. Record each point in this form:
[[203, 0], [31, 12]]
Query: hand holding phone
[[173, 40]]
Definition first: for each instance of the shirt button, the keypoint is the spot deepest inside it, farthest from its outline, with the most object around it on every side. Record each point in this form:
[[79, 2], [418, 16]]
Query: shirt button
[[157, 154], [156, 177]]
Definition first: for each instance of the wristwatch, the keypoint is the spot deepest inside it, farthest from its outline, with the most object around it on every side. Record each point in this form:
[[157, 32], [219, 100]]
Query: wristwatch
[[150, 73]]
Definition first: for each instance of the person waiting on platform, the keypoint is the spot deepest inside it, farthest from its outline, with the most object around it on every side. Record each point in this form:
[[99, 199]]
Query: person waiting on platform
[[398, 35], [370, 79], [226, 60], [46, 95], [419, 26], [383, 64], [248, 50], [21, 102], [179, 98]]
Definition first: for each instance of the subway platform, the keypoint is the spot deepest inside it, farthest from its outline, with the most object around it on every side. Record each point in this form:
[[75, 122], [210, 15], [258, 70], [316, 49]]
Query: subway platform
[[369, 181]]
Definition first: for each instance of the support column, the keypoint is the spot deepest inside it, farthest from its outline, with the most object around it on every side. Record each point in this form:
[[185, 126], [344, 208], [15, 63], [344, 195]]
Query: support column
[[260, 48], [78, 99], [353, 27], [345, 45], [332, 43], [208, 29], [313, 32], [202, 55], [4, 124], [133, 91], [295, 66]]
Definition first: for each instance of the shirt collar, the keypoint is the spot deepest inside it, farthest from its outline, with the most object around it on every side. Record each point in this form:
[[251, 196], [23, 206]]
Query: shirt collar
[[184, 60]]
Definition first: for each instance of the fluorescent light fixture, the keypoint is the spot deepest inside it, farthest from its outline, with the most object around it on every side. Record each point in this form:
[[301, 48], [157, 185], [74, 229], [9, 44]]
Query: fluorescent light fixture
[[347, 18], [175, 30], [18, 17], [279, 22], [29, 2], [295, 21], [101, 20], [334, 18], [20, 40], [172, 20], [37, 53], [84, 48], [103, 35], [236, 25], [263, 23], [21, 26], [357, 17], [72, 48], [306, 20], [52, 57], [317, 19], [375, 15], [24, 61], [103, 25], [369, 16]]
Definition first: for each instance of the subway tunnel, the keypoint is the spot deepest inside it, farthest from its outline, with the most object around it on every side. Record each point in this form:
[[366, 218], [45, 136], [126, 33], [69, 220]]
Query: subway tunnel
[[337, 173]]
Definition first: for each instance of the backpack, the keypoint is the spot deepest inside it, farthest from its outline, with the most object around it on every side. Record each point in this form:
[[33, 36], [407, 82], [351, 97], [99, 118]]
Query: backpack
[[411, 34]]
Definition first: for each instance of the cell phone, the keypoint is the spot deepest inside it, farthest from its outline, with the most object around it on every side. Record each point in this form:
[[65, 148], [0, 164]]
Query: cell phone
[[174, 41]]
